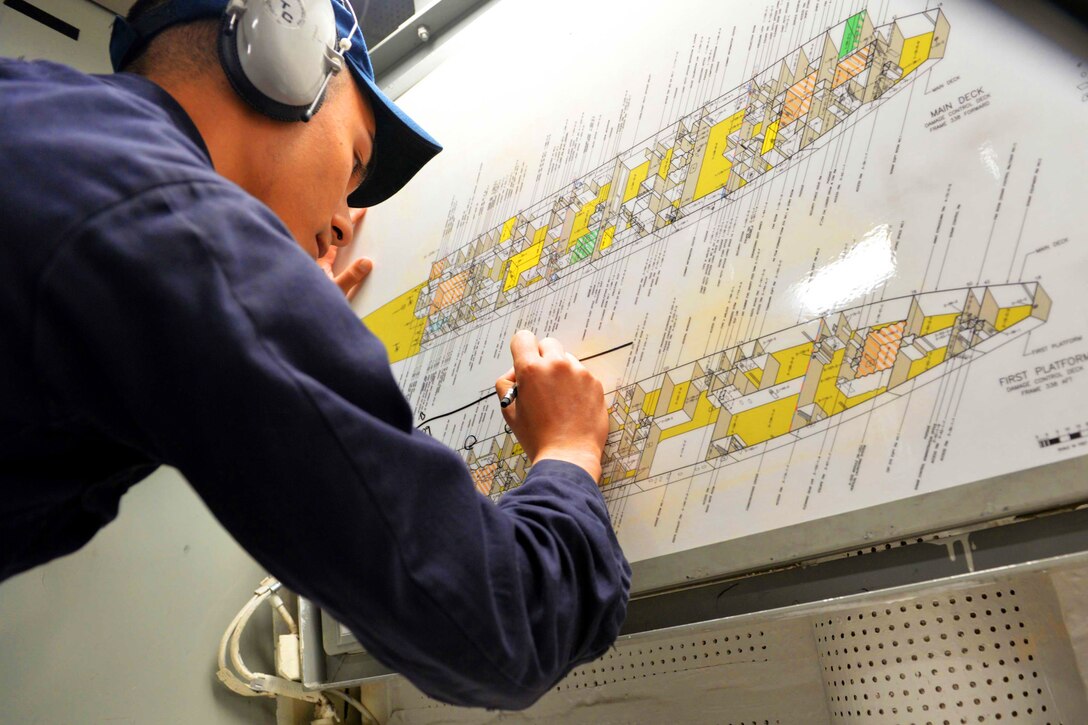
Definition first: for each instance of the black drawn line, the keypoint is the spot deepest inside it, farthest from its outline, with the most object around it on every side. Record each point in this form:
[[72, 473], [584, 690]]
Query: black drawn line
[[489, 396]]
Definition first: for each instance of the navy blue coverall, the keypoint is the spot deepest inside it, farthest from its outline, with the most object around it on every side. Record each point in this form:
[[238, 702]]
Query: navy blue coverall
[[152, 312]]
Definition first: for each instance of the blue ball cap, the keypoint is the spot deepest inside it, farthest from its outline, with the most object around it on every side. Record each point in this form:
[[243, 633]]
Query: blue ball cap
[[401, 147]]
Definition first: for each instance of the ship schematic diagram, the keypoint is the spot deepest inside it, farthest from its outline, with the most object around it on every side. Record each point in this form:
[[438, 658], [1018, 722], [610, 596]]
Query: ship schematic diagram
[[784, 386], [673, 178]]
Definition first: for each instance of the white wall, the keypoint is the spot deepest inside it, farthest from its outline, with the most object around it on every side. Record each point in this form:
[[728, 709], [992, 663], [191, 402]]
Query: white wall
[[21, 37], [124, 631]]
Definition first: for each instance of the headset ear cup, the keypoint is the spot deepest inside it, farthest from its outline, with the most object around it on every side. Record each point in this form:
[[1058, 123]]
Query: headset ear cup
[[231, 62]]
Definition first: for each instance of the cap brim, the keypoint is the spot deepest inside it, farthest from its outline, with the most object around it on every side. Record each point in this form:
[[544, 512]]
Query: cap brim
[[401, 147]]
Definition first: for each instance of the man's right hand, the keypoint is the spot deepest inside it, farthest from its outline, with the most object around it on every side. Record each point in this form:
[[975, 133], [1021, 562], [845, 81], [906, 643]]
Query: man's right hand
[[559, 413]]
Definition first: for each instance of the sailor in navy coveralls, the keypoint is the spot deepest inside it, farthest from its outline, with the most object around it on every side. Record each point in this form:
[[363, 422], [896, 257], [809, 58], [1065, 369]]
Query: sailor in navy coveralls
[[161, 305]]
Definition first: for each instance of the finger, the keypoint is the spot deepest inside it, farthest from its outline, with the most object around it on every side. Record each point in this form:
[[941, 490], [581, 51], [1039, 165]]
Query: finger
[[574, 361], [350, 278], [503, 383], [326, 262], [356, 217], [354, 274], [550, 347], [523, 348], [350, 294], [330, 255]]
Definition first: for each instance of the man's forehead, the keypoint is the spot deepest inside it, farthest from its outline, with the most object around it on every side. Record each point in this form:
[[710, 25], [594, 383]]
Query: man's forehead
[[360, 105]]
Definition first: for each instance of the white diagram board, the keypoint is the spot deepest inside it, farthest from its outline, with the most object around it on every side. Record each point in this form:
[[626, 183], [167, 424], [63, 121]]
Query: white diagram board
[[832, 252]]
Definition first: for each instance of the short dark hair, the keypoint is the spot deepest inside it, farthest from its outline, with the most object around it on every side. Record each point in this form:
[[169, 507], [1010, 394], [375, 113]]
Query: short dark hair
[[184, 49]]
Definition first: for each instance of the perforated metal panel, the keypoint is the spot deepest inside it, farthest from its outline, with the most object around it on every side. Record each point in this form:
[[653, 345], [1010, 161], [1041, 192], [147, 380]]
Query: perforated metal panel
[[669, 657], [736, 674], [972, 656], [989, 647]]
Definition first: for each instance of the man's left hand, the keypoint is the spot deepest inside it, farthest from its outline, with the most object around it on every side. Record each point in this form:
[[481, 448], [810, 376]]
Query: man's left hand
[[351, 278]]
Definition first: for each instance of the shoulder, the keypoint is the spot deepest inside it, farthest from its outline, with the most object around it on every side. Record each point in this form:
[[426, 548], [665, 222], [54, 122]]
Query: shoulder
[[50, 102], [78, 143], [74, 146]]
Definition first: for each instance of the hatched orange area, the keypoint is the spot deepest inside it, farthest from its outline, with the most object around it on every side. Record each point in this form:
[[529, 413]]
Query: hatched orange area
[[484, 477], [438, 268], [850, 66], [450, 291], [798, 99], [881, 347]]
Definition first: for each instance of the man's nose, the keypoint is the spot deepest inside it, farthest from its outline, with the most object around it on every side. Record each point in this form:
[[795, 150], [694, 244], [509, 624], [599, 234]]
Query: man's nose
[[342, 229]]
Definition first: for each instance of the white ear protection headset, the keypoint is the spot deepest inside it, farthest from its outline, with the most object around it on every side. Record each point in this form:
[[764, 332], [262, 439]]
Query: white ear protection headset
[[280, 55]]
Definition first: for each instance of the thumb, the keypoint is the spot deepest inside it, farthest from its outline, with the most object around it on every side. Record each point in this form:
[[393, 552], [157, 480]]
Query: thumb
[[505, 382], [357, 271]]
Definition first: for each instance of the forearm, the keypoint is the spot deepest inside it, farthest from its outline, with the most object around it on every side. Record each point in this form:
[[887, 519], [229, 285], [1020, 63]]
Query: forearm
[[287, 421], [478, 604]]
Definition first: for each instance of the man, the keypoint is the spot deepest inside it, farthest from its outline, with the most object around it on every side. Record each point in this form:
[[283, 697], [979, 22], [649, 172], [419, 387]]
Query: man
[[161, 305]]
